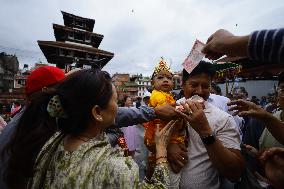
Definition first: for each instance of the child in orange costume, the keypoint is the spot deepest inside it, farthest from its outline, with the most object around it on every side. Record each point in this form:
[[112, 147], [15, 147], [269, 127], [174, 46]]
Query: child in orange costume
[[162, 82]]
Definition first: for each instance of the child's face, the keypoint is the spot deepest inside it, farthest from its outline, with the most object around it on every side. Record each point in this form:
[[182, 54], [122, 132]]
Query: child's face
[[163, 81]]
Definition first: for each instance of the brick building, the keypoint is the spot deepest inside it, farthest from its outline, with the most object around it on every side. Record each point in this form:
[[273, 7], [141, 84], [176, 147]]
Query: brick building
[[124, 86]]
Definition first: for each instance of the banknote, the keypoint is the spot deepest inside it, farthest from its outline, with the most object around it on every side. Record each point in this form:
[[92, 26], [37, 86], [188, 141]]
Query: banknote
[[194, 57]]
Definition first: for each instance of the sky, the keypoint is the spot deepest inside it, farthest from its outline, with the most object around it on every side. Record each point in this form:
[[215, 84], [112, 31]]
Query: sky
[[137, 32]]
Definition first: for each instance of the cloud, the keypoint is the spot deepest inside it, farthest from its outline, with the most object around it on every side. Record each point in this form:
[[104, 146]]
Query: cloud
[[138, 32]]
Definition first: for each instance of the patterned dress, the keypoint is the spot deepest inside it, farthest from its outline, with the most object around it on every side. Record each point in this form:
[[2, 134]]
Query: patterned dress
[[95, 164]]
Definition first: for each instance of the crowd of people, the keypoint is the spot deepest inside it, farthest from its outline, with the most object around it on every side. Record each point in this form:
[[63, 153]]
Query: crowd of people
[[7, 112], [72, 134]]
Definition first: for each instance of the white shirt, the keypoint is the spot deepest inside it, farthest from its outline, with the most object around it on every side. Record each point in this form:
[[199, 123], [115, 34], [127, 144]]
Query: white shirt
[[219, 101], [199, 172], [222, 103]]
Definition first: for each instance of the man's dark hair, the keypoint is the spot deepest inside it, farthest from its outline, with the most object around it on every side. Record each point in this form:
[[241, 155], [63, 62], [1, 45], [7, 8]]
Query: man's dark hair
[[202, 67], [216, 88], [281, 77]]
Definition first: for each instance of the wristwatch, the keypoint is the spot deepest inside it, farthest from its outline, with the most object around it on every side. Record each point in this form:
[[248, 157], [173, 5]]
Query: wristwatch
[[209, 139]]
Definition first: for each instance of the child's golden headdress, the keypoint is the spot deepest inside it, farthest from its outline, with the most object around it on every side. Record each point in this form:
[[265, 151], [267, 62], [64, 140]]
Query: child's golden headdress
[[162, 65]]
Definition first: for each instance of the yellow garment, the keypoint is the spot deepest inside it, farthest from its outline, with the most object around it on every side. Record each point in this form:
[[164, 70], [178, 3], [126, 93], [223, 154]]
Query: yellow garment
[[159, 98]]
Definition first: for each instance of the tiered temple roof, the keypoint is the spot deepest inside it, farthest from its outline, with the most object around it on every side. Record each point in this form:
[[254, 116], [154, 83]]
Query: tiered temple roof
[[75, 43], [64, 33], [72, 20]]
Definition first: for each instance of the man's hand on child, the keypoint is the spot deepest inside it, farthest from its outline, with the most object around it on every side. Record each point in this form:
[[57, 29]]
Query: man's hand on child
[[166, 112], [177, 156]]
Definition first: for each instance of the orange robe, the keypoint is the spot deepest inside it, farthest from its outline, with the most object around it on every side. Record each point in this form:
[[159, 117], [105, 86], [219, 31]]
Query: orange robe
[[159, 98]]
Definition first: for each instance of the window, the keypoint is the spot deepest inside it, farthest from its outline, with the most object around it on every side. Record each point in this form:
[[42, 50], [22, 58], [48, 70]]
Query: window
[[78, 36], [70, 35]]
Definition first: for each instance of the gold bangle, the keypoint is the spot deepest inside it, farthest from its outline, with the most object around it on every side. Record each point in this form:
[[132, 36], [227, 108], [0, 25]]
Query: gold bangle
[[162, 162], [161, 157]]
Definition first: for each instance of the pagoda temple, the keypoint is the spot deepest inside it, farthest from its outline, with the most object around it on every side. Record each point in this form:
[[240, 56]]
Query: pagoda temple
[[75, 45]]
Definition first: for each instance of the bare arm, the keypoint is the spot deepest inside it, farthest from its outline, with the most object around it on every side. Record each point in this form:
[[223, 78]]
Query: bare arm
[[132, 116], [263, 45], [246, 108], [229, 162], [223, 42]]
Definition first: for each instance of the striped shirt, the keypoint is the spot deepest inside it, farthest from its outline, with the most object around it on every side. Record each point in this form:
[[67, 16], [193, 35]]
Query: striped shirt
[[267, 46]]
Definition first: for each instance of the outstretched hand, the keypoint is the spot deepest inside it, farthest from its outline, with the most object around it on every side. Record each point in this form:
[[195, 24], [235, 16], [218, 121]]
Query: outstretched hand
[[245, 108]]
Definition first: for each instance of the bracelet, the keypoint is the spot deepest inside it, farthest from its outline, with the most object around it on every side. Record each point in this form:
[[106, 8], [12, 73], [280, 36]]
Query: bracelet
[[161, 157], [162, 162]]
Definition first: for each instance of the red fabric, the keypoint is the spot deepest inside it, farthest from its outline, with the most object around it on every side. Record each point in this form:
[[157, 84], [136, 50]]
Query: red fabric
[[43, 77]]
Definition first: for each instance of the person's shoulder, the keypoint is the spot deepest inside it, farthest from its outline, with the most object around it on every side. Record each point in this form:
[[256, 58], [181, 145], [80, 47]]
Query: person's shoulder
[[216, 112], [219, 98], [222, 122]]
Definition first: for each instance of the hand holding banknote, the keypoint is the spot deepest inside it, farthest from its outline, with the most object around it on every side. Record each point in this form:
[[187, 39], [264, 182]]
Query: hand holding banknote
[[222, 42]]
